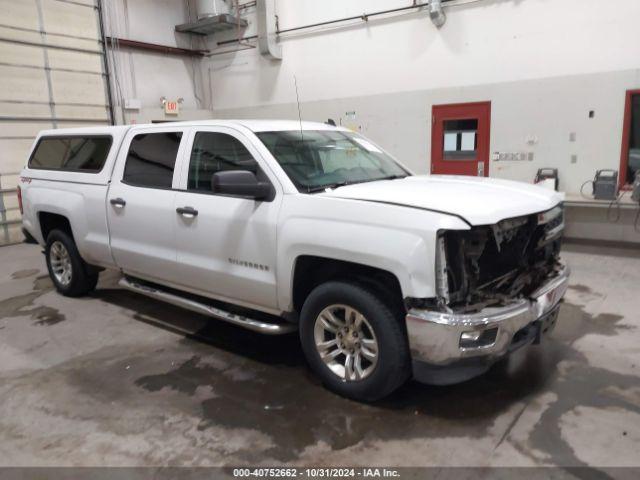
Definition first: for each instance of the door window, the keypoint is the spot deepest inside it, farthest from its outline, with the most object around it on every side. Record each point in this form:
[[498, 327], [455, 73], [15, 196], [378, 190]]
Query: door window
[[152, 159], [215, 152], [633, 152], [460, 139]]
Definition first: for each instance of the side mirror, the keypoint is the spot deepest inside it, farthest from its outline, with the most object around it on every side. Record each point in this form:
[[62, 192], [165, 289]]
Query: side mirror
[[241, 183]]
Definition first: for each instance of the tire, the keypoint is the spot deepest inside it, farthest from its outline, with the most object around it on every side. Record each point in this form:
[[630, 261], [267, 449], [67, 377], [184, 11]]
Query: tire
[[392, 366], [70, 274]]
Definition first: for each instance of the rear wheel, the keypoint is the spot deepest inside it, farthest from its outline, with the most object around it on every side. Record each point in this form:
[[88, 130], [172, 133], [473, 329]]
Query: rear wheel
[[354, 341], [70, 274]]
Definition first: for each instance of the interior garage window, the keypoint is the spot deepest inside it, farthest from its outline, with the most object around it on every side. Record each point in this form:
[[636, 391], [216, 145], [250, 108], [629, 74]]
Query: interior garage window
[[631, 145], [152, 159], [216, 152], [460, 139], [82, 154]]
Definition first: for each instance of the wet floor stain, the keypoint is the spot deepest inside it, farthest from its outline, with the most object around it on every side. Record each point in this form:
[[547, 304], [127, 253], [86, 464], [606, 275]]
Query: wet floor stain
[[576, 323], [580, 288], [580, 384], [42, 283], [281, 399], [24, 305], [47, 317], [227, 377], [24, 274]]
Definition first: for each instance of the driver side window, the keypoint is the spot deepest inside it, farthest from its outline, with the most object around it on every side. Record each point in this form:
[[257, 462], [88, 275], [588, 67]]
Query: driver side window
[[216, 152]]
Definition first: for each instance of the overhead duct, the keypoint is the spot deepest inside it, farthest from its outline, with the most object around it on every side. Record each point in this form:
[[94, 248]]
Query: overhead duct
[[438, 17], [213, 16], [211, 8], [267, 30]]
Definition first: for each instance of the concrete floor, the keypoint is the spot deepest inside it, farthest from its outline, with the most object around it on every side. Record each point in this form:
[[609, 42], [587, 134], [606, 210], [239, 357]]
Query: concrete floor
[[113, 380]]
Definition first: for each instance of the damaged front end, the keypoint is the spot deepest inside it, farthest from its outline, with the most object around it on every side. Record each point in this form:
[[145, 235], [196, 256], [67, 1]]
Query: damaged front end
[[490, 266], [499, 289]]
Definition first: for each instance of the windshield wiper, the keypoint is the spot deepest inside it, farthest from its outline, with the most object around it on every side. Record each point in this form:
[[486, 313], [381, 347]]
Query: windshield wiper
[[395, 177], [322, 188], [344, 183]]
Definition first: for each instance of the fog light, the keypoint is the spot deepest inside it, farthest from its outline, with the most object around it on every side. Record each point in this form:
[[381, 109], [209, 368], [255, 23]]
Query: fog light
[[479, 338]]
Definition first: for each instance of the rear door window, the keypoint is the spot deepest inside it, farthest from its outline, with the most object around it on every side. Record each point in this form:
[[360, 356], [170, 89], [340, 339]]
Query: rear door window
[[151, 159], [78, 154]]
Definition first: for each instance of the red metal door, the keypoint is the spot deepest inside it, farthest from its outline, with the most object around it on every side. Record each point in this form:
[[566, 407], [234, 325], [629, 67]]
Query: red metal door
[[460, 139]]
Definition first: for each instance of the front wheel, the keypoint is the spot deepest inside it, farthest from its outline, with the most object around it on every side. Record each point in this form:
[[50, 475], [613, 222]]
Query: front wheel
[[354, 341], [70, 274]]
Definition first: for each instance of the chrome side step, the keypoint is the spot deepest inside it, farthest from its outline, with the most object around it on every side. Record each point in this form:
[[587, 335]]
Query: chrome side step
[[202, 308]]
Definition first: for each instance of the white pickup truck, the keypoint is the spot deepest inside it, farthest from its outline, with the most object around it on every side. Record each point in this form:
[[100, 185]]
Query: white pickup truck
[[279, 226]]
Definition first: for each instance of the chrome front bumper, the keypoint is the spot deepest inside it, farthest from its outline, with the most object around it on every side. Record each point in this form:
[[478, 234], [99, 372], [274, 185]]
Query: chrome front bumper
[[435, 337]]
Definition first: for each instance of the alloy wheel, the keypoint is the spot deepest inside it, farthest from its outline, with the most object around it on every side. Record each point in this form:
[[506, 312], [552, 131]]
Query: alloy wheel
[[346, 342], [60, 263]]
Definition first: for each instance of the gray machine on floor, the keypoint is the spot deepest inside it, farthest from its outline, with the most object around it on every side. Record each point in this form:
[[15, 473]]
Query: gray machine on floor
[[635, 193], [605, 185]]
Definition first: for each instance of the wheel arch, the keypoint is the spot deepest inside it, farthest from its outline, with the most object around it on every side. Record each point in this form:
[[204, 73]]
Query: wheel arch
[[49, 221], [311, 271]]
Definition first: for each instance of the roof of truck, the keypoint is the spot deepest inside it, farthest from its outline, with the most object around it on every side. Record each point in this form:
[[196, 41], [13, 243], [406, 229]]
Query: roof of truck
[[253, 125]]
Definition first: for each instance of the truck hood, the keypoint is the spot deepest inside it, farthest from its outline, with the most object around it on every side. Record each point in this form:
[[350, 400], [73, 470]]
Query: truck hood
[[479, 201]]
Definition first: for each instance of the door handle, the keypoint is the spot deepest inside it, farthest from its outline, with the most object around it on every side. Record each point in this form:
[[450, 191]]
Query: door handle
[[188, 212], [118, 202]]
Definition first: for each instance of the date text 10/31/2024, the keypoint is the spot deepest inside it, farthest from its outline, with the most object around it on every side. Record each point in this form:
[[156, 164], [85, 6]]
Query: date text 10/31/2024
[[316, 473]]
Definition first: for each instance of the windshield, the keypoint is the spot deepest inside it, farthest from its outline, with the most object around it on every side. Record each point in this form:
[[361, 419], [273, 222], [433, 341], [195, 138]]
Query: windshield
[[316, 160]]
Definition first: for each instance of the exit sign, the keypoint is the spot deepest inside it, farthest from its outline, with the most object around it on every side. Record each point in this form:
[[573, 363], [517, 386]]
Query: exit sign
[[171, 107]]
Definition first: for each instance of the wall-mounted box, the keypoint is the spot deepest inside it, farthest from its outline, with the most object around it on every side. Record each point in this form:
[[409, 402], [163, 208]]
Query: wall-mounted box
[[133, 104]]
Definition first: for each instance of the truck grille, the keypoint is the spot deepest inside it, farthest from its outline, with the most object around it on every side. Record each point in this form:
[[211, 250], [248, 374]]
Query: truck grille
[[490, 265]]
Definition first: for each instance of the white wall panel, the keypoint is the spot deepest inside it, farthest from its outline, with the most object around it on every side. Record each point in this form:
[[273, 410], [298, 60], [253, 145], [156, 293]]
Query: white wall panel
[[88, 45], [17, 109], [147, 75], [97, 114], [70, 19], [17, 129], [13, 153], [20, 13], [482, 43], [11, 204], [10, 179], [166, 15], [89, 3], [24, 84], [71, 87], [13, 34], [47, 80], [70, 124], [16, 54], [71, 60]]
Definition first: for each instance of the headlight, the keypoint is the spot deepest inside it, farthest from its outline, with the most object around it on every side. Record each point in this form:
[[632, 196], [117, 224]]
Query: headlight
[[553, 224], [555, 215], [442, 281]]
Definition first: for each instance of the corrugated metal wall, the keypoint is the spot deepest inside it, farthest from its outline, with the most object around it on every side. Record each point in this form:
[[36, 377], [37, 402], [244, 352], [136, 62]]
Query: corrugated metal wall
[[52, 75]]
